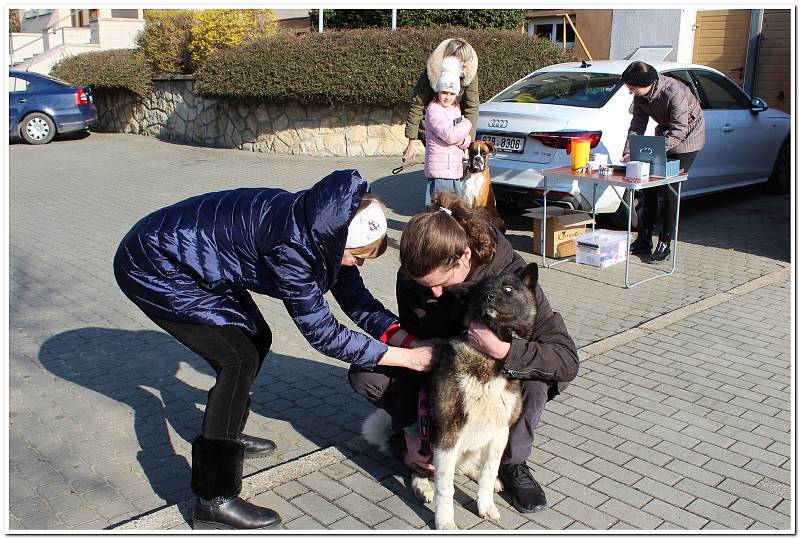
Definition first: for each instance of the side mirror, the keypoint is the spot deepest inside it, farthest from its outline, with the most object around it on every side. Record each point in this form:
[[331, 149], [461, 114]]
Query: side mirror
[[758, 105]]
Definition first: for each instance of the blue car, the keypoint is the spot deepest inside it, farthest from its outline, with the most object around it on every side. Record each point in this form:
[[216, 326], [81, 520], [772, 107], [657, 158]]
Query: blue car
[[39, 107]]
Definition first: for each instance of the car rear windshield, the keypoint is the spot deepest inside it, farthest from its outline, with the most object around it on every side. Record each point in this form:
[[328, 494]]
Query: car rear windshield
[[54, 80], [592, 90]]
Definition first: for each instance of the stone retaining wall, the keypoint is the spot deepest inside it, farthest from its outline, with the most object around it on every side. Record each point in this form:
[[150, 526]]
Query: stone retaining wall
[[174, 111]]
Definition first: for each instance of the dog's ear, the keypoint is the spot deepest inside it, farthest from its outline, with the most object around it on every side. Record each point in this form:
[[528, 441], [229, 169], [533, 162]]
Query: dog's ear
[[490, 145], [529, 275], [459, 291]]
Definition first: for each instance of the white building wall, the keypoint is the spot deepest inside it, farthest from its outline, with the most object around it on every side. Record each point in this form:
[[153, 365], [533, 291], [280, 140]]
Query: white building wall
[[686, 37], [114, 33], [56, 18], [634, 28]]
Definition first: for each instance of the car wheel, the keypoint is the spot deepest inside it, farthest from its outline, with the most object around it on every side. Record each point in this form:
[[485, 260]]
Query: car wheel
[[779, 179], [37, 128]]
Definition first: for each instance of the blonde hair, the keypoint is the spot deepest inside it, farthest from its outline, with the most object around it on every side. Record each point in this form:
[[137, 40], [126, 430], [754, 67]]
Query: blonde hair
[[377, 247], [462, 50]]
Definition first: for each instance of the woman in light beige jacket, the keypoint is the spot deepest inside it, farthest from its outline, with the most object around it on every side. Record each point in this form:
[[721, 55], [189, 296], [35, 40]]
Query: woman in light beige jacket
[[468, 97]]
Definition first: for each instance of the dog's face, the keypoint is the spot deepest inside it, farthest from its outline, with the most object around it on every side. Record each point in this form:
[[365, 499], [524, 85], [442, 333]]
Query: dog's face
[[506, 304], [479, 151]]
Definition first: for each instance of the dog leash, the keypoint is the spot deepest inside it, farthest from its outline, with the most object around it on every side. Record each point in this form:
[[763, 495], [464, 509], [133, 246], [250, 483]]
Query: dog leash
[[404, 166], [424, 423]]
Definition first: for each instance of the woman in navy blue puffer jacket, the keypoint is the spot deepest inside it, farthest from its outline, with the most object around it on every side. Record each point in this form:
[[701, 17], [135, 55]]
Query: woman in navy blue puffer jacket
[[189, 268]]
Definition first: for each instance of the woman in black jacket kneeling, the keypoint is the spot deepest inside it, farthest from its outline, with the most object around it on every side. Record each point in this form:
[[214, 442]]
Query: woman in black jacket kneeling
[[451, 244]]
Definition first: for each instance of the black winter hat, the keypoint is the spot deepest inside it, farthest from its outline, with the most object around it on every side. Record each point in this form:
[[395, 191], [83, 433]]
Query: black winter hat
[[639, 74]]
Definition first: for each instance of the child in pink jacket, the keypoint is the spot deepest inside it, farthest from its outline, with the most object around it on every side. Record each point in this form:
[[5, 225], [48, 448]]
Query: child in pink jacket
[[446, 133]]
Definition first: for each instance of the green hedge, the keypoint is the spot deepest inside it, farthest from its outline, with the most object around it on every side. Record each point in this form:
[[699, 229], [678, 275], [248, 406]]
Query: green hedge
[[364, 66], [107, 70], [512, 19], [164, 40]]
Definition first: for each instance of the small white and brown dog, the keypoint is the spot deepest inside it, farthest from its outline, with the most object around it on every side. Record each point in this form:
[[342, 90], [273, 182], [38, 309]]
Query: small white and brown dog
[[476, 183]]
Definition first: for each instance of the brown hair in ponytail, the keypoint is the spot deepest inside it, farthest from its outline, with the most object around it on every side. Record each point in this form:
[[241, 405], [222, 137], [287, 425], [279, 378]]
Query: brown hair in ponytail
[[435, 238]]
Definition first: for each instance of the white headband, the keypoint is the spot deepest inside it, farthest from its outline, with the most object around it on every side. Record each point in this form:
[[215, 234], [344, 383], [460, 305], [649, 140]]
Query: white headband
[[368, 226]]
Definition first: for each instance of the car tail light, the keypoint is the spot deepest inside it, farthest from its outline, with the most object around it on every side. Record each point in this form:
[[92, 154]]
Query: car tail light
[[560, 139], [81, 98]]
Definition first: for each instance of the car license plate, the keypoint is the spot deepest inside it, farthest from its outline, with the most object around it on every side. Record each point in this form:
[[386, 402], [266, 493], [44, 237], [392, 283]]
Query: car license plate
[[505, 144]]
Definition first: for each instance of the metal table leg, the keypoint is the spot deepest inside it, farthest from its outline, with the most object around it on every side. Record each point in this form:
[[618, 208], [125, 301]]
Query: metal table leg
[[544, 230], [675, 244]]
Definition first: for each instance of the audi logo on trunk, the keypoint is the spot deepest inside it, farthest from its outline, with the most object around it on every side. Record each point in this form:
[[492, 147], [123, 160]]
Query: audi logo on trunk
[[494, 122]]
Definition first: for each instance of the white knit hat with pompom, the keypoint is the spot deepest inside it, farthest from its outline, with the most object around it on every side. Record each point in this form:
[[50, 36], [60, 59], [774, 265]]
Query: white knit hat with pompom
[[450, 76]]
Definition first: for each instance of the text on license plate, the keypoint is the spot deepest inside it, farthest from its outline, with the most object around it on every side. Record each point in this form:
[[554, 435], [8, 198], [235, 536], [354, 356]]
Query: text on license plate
[[505, 144]]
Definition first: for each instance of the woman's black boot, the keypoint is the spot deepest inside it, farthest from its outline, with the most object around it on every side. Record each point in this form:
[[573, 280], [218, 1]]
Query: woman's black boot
[[643, 244], [217, 481], [254, 447], [662, 251]]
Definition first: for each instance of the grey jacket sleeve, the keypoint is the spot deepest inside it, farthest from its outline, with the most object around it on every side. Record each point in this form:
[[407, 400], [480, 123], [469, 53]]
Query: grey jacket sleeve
[[678, 111], [638, 121]]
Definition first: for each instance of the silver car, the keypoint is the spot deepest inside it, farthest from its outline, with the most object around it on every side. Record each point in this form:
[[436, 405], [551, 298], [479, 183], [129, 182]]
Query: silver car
[[531, 121]]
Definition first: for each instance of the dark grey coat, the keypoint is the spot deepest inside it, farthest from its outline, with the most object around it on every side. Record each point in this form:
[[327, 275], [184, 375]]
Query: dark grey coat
[[676, 110]]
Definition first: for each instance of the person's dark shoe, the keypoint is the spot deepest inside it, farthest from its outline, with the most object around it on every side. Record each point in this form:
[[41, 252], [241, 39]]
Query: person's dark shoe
[[643, 244], [231, 514], [256, 447], [661, 253], [527, 495]]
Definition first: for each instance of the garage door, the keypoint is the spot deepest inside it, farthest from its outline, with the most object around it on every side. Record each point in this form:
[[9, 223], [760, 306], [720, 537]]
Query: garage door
[[773, 81], [721, 41]]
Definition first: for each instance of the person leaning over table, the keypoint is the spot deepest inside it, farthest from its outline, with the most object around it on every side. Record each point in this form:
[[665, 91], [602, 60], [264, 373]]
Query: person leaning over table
[[468, 97], [680, 120], [190, 266], [448, 245]]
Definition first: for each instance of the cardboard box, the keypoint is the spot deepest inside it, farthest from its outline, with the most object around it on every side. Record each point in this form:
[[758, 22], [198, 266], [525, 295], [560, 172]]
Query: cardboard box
[[601, 248], [563, 226]]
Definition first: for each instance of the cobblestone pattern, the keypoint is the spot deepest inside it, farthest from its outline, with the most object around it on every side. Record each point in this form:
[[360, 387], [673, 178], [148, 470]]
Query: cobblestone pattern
[[689, 426], [175, 111]]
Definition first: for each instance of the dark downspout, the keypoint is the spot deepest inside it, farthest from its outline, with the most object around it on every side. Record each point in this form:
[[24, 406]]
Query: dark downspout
[[756, 20]]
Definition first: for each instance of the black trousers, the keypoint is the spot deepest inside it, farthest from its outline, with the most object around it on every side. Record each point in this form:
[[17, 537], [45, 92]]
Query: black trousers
[[236, 357], [396, 392], [660, 203]]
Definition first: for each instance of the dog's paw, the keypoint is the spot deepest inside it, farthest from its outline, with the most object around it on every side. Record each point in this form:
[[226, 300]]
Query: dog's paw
[[422, 487], [490, 512], [498, 485], [446, 525]]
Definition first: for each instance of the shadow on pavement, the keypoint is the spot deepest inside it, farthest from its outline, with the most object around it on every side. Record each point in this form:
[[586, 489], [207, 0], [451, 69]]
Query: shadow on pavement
[[403, 193], [747, 220], [137, 368], [147, 371]]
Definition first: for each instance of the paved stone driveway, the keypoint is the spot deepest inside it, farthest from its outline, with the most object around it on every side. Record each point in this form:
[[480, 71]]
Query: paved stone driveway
[[680, 417]]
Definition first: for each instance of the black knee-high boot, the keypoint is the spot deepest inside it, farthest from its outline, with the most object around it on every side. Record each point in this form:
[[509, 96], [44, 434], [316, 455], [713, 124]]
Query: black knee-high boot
[[217, 481], [254, 447]]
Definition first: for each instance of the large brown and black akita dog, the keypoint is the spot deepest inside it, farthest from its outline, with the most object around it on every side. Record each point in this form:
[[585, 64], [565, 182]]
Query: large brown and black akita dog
[[472, 402]]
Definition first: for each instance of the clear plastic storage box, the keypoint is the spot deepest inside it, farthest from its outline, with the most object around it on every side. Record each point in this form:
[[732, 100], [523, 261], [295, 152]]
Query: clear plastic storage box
[[601, 248]]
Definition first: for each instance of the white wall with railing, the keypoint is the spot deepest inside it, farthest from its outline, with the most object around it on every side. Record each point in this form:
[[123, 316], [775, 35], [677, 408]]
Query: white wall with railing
[[25, 45], [112, 29], [67, 35]]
